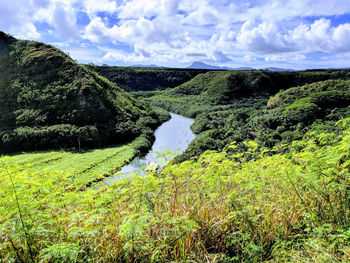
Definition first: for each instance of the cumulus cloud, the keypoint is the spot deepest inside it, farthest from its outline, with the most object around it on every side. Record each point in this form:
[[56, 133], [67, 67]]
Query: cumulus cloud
[[15, 18], [221, 28], [64, 21], [220, 57], [284, 57], [142, 8], [319, 36], [181, 30], [263, 38], [92, 6], [341, 38], [21, 17]]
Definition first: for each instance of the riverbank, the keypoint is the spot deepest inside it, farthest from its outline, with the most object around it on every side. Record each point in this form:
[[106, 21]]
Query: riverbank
[[171, 139], [87, 167]]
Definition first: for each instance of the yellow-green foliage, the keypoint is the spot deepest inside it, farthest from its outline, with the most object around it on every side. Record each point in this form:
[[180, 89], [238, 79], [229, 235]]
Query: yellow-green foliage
[[251, 207], [289, 96], [84, 165]]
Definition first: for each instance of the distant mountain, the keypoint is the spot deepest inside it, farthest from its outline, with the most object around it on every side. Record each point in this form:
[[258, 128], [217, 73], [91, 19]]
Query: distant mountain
[[201, 65], [146, 66], [278, 69]]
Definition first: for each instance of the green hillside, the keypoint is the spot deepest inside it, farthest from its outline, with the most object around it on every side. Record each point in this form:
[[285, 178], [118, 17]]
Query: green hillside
[[214, 89], [47, 100], [146, 78], [235, 106]]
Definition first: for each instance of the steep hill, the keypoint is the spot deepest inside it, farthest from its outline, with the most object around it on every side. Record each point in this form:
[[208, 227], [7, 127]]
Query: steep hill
[[47, 100]]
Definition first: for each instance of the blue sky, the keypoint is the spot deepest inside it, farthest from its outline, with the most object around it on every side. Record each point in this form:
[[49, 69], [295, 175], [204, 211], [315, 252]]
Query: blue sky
[[294, 34]]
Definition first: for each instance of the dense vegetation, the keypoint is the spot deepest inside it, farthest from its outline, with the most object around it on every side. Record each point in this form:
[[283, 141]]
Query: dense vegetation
[[49, 101], [146, 78], [273, 187], [236, 106], [227, 89], [254, 206]]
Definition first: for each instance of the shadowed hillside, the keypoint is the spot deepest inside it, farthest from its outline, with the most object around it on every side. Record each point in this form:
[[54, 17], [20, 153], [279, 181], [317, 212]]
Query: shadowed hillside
[[146, 78]]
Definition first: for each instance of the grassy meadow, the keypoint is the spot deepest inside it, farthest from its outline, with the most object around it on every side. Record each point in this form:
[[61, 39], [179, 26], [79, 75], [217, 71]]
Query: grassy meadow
[[83, 165]]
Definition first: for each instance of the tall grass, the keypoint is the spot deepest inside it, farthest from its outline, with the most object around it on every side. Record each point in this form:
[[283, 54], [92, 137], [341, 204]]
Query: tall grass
[[251, 207]]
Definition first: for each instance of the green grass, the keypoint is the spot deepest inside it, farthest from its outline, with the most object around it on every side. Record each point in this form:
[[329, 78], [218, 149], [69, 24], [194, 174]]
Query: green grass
[[85, 165], [256, 206]]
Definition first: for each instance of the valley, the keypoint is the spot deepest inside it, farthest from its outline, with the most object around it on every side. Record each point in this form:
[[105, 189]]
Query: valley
[[262, 174]]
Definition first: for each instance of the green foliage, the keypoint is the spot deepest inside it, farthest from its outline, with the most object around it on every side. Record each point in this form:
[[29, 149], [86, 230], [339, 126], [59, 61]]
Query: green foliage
[[85, 166], [62, 252], [309, 108], [301, 111], [228, 88], [274, 187], [293, 112], [238, 101], [290, 95], [146, 79], [49, 101], [253, 206]]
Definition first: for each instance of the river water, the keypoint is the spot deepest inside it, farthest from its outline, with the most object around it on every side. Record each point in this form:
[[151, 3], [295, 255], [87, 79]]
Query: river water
[[172, 138]]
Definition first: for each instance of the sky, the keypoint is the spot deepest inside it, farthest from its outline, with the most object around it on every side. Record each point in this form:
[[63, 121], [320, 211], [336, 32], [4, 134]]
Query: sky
[[296, 34]]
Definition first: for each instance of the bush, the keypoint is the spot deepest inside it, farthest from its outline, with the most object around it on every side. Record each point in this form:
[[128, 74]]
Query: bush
[[302, 111]]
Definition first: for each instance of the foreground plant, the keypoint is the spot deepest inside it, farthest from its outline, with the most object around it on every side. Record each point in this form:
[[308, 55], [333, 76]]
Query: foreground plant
[[255, 206]]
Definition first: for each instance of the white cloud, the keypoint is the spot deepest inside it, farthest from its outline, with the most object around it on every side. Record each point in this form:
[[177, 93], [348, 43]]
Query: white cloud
[[19, 17], [136, 9], [15, 18], [64, 21], [288, 57], [93, 6], [269, 38], [250, 58], [219, 30], [341, 38], [262, 38], [85, 55]]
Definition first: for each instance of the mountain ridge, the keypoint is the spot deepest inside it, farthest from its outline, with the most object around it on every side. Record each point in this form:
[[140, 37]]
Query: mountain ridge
[[202, 65]]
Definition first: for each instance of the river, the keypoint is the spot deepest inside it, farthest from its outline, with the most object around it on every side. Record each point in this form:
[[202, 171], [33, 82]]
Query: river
[[173, 136]]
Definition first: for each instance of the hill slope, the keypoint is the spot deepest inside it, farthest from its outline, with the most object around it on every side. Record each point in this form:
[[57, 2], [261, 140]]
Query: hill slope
[[232, 106], [47, 100], [146, 78], [224, 88]]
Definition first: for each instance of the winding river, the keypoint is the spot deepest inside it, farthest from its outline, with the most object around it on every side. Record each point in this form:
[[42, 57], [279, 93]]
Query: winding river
[[172, 138]]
